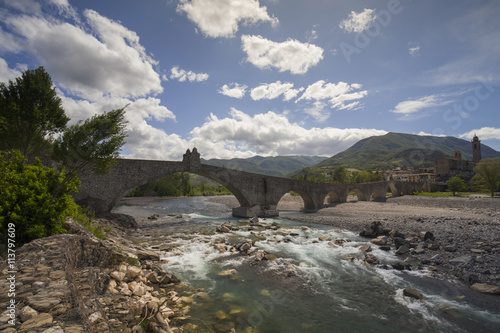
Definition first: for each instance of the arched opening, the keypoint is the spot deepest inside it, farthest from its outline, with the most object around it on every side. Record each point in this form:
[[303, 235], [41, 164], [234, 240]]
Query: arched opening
[[359, 195], [331, 199], [185, 184], [377, 196], [295, 201]]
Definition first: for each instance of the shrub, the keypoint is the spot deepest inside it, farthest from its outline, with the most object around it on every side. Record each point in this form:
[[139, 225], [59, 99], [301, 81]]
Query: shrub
[[28, 200]]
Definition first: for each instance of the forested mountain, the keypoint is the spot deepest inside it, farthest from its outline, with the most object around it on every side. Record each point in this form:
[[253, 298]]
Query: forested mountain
[[272, 166], [398, 150]]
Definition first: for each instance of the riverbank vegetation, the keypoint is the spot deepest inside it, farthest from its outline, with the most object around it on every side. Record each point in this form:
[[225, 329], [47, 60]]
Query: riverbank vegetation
[[36, 198], [180, 184]]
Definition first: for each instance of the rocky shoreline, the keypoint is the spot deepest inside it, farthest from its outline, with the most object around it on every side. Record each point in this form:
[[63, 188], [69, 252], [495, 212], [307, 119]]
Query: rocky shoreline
[[72, 283]]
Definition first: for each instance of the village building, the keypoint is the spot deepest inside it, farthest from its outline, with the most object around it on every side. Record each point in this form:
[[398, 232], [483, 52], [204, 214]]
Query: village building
[[447, 167]]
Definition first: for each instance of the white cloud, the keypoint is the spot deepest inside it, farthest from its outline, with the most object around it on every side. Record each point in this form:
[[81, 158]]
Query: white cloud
[[274, 90], [115, 65], [8, 43], [6, 73], [410, 107], [337, 94], [414, 51], [270, 134], [290, 55], [233, 90], [484, 133], [182, 75], [220, 18], [358, 22]]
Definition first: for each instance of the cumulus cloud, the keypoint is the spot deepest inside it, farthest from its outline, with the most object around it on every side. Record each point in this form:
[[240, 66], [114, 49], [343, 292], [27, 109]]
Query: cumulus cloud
[[484, 133], [290, 55], [339, 95], [220, 18], [6, 73], [116, 64], [8, 43], [181, 75], [358, 22], [410, 107], [233, 90], [270, 134], [274, 90]]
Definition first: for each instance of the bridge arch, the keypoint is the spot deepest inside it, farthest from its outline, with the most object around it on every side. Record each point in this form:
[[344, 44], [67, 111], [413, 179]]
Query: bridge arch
[[243, 201], [306, 198], [332, 197]]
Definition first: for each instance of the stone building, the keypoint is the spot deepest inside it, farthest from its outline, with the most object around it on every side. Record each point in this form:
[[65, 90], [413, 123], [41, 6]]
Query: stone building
[[447, 167]]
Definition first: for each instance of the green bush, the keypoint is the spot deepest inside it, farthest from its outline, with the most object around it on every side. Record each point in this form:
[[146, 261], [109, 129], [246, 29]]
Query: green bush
[[28, 199]]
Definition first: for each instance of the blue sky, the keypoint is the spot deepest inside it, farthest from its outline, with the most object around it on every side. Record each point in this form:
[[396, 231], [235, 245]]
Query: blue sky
[[238, 78]]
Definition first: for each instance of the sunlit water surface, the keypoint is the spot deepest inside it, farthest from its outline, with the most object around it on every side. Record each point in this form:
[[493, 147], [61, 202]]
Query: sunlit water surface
[[313, 285]]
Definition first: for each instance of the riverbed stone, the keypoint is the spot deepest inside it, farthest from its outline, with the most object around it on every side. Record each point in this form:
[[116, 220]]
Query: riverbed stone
[[366, 248], [486, 288], [413, 293], [37, 321], [462, 260]]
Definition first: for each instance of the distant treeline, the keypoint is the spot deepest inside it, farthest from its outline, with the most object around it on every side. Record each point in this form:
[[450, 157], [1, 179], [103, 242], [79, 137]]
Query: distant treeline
[[180, 184], [340, 175]]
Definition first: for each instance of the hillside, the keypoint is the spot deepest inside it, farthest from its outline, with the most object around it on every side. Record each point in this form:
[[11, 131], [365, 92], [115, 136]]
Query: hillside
[[272, 166], [398, 150]]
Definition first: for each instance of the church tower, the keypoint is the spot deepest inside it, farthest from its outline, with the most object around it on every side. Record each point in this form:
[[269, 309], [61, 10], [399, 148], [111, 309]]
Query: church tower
[[476, 149]]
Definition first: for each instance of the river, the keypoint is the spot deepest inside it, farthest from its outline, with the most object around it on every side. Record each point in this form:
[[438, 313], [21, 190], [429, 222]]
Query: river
[[316, 281]]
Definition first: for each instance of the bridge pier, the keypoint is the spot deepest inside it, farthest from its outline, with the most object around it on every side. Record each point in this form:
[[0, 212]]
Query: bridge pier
[[256, 211]]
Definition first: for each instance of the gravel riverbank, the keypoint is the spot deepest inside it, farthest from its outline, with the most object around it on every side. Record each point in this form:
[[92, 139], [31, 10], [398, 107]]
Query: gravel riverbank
[[466, 244]]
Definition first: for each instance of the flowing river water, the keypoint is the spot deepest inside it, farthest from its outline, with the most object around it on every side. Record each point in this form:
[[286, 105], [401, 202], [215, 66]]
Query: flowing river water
[[315, 281]]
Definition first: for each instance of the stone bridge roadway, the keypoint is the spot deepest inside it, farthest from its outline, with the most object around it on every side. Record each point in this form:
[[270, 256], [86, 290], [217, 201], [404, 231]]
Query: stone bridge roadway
[[258, 195]]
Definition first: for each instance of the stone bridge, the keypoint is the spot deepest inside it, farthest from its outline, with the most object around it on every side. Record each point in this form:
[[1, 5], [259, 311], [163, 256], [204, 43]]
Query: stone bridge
[[258, 195]]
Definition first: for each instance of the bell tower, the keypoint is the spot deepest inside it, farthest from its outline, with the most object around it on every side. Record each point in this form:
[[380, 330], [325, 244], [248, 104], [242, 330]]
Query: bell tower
[[476, 149]]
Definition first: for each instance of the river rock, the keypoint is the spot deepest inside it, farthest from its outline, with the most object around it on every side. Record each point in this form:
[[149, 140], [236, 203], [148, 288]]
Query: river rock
[[224, 227], [133, 272], [118, 276], [37, 321], [220, 247], [463, 260], [372, 230], [371, 259], [27, 313], [366, 248], [486, 288], [413, 293], [380, 240], [403, 249], [147, 255], [426, 235]]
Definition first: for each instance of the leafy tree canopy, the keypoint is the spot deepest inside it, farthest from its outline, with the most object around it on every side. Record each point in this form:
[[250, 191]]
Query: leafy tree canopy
[[488, 172], [456, 184], [30, 112]]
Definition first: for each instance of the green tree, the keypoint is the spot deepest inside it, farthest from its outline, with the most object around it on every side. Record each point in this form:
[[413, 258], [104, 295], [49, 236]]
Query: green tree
[[94, 143], [340, 175], [31, 112], [488, 172], [456, 184], [27, 202]]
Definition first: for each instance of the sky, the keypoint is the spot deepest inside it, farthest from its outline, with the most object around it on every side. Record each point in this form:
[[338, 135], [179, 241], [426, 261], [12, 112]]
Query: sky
[[239, 78]]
